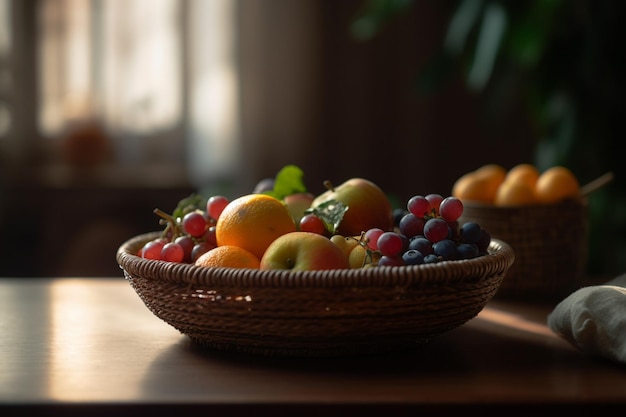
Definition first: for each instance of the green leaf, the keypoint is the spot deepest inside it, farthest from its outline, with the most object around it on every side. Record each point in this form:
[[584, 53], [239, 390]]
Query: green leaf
[[492, 31], [463, 20], [288, 181], [189, 204], [331, 212]]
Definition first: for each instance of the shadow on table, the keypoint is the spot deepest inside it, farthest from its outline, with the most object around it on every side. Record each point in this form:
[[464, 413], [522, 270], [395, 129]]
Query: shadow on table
[[479, 347]]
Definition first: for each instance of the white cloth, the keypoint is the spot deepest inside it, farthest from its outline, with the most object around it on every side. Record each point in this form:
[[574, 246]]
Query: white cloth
[[594, 319]]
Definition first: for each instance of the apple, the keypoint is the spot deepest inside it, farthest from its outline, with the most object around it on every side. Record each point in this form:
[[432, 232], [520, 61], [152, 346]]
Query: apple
[[297, 204], [303, 251], [368, 206]]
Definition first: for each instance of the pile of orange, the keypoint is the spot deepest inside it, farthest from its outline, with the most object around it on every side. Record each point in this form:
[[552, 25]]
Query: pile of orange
[[245, 229], [521, 185]]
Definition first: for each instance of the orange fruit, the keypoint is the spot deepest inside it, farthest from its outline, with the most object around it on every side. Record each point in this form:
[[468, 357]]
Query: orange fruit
[[494, 172], [523, 173], [556, 184], [252, 222], [471, 188], [228, 256], [480, 185], [494, 175], [514, 193]]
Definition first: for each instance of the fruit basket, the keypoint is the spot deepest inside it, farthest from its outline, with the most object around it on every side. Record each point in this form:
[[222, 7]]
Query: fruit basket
[[316, 312], [550, 243]]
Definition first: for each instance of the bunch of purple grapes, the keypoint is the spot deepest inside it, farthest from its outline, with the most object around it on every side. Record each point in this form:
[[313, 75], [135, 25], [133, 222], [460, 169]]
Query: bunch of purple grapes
[[428, 231]]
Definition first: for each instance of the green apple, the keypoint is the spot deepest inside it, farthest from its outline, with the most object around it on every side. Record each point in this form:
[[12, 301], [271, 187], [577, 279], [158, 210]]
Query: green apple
[[297, 204], [368, 206], [303, 251]]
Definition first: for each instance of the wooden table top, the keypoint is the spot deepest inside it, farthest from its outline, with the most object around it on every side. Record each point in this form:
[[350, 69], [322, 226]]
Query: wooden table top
[[89, 345]]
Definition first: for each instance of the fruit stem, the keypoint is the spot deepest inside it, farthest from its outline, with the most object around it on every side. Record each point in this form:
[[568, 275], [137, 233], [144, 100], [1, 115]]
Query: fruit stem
[[171, 223], [329, 185]]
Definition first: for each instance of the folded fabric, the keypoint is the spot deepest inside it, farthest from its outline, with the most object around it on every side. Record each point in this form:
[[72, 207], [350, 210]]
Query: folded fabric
[[594, 319]]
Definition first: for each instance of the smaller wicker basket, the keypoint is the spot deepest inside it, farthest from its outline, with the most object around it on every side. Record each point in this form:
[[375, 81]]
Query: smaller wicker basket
[[315, 313], [550, 243]]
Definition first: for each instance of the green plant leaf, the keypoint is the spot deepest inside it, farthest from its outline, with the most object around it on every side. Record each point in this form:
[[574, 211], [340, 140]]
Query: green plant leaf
[[331, 213], [463, 20], [189, 204], [289, 180], [492, 31]]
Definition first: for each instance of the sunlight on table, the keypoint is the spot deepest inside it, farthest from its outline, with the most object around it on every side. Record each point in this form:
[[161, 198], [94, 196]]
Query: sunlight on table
[[74, 372]]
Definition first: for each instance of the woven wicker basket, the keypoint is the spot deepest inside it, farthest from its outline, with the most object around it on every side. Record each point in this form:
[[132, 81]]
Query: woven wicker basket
[[315, 313], [550, 244]]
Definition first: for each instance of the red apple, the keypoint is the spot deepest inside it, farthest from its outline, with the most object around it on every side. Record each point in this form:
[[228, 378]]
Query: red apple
[[303, 251], [368, 206]]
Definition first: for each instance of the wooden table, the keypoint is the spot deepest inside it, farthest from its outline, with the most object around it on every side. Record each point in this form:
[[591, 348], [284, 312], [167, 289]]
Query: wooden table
[[73, 346]]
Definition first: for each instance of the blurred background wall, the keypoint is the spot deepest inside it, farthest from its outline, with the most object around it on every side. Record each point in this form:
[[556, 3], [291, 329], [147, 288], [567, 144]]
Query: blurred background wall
[[111, 108]]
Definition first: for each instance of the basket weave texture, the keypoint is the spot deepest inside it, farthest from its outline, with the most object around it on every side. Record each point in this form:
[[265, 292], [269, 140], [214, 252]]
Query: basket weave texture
[[550, 243], [315, 313]]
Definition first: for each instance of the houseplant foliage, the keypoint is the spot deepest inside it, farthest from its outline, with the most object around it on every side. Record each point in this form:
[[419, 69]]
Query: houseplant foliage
[[562, 58]]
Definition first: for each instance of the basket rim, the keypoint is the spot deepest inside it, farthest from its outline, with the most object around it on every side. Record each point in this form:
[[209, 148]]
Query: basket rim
[[499, 259]]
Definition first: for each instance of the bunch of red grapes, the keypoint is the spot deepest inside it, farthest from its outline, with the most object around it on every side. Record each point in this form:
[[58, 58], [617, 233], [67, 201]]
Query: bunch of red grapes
[[185, 239]]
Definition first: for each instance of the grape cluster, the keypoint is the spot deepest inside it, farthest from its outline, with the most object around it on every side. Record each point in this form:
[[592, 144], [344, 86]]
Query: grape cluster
[[188, 236], [428, 231]]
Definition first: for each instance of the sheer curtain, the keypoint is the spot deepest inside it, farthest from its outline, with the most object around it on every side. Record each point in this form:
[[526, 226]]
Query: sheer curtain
[[159, 75], [5, 50]]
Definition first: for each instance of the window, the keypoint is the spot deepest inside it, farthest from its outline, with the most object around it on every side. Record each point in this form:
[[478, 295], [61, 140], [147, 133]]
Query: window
[[5, 51], [157, 77]]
